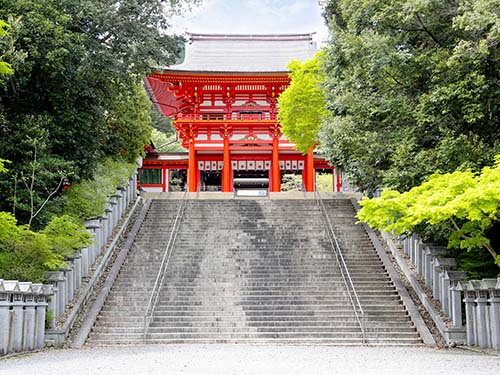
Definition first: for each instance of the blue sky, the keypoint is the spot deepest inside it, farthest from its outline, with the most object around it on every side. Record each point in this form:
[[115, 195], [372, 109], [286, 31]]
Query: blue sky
[[254, 16]]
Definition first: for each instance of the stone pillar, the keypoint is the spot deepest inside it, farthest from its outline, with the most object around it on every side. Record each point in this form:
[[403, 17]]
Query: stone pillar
[[113, 202], [439, 265], [431, 252], [92, 227], [16, 336], [495, 316], [106, 224], [5, 303], [456, 307], [419, 258], [41, 311], [482, 318], [29, 319], [85, 261], [470, 307], [57, 279], [70, 281], [455, 296]]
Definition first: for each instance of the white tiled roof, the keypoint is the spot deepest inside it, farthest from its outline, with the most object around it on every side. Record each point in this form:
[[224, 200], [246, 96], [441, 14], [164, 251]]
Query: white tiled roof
[[244, 53]]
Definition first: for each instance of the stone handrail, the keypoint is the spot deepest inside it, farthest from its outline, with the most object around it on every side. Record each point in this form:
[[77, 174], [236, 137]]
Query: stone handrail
[[479, 299], [24, 304]]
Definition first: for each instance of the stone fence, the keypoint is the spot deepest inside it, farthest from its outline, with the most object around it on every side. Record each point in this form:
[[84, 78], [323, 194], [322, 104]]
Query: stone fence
[[478, 301], [24, 305]]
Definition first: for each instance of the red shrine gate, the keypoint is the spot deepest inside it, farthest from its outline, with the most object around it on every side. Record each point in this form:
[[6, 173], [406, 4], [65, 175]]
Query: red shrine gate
[[223, 99]]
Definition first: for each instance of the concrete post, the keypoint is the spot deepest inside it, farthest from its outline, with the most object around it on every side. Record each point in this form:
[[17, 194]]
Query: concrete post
[[470, 307], [5, 298], [107, 221], [482, 318], [431, 252], [419, 258], [41, 311], [85, 261], [438, 266], [29, 316], [92, 227], [114, 211], [16, 336], [445, 290], [455, 296], [57, 279], [70, 286], [495, 316], [77, 261]]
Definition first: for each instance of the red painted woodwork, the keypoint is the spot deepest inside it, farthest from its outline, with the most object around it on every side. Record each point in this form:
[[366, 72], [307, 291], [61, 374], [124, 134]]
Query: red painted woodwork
[[225, 117]]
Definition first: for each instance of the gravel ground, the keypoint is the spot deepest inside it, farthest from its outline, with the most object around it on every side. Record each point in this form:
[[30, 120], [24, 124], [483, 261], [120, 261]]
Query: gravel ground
[[246, 359]]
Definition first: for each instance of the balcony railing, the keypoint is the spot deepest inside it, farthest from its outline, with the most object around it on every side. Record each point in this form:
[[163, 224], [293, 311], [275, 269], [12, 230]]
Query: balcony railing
[[234, 116]]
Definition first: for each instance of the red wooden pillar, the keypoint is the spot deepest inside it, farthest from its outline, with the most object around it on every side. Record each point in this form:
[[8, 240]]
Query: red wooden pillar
[[164, 179], [226, 167], [310, 170], [339, 181], [276, 173], [192, 168]]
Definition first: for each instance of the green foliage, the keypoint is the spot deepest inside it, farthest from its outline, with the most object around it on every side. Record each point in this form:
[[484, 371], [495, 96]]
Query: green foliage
[[413, 88], [26, 255], [76, 89], [469, 202], [66, 235], [5, 67], [302, 104], [166, 143], [2, 165], [87, 198]]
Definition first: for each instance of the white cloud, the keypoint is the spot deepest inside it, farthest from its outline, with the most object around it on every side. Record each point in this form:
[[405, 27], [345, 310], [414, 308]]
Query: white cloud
[[254, 16]]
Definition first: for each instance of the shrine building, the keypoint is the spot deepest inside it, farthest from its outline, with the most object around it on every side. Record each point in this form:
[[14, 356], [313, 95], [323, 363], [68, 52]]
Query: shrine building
[[222, 100]]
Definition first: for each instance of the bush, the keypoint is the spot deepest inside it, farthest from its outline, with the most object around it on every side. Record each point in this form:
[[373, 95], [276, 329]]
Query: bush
[[26, 255], [86, 199]]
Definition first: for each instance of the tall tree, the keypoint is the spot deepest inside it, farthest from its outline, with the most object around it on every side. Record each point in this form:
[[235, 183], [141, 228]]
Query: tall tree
[[79, 82], [413, 87]]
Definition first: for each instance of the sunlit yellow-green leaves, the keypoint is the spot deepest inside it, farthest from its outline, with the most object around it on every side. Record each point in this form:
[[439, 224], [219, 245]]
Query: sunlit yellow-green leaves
[[471, 202], [302, 104]]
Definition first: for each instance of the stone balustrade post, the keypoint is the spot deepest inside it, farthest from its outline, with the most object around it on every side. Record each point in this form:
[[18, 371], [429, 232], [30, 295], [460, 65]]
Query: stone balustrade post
[[5, 303], [455, 296], [77, 262], [70, 281], [28, 333], [85, 261], [17, 317], [92, 227], [438, 266], [495, 315], [482, 326], [470, 310], [57, 279], [430, 253], [123, 200], [113, 218], [492, 325], [41, 311], [419, 257], [107, 218]]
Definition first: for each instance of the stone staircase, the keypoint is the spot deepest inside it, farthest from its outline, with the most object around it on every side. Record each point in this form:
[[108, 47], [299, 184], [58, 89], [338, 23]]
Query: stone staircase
[[253, 271]]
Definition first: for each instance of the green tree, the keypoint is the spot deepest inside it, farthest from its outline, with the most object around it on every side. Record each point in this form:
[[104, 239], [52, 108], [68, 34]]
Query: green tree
[[5, 67], [302, 104], [413, 88], [77, 88], [468, 202]]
